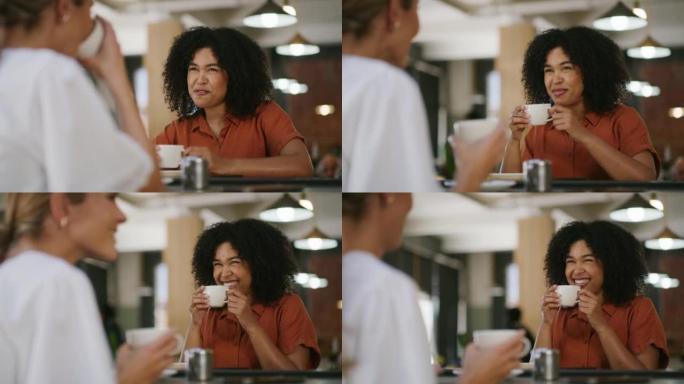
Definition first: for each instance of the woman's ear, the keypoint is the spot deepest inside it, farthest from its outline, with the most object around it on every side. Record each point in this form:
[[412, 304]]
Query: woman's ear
[[392, 15], [59, 208], [63, 11]]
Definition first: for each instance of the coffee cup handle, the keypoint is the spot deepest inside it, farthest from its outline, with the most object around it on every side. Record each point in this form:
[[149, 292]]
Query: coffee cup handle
[[527, 347]]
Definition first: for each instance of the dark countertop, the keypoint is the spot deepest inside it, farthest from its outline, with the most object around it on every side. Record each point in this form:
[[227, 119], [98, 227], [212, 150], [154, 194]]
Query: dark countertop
[[259, 376], [595, 376], [256, 184]]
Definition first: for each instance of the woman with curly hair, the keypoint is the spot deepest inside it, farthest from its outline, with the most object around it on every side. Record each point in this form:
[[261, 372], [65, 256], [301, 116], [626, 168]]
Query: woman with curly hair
[[590, 133], [612, 326], [217, 81], [264, 324]]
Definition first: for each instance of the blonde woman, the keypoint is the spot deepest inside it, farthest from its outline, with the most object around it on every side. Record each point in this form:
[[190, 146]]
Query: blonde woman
[[50, 328], [60, 135]]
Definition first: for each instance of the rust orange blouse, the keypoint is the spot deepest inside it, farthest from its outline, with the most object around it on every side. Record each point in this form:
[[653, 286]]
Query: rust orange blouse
[[262, 135], [623, 129], [636, 324], [286, 322]]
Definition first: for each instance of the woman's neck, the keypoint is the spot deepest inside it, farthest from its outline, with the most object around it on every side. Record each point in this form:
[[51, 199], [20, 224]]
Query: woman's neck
[[20, 37], [55, 246], [361, 236], [215, 117]]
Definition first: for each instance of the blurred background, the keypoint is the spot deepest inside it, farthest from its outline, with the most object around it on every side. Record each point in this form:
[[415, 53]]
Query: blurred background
[[478, 258], [468, 58], [151, 283], [304, 56]]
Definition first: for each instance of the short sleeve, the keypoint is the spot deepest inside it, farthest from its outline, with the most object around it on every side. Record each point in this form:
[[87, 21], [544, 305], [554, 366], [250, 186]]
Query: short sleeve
[[386, 145], [277, 126], [389, 333], [645, 328], [168, 136], [84, 150], [633, 135], [296, 328], [68, 342]]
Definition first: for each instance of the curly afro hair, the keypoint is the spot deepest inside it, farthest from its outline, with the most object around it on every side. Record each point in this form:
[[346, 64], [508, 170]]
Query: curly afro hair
[[600, 60], [265, 249], [249, 82], [619, 252]]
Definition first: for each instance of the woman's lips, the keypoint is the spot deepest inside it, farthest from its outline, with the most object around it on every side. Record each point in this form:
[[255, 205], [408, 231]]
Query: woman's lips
[[582, 282], [558, 92], [201, 92]]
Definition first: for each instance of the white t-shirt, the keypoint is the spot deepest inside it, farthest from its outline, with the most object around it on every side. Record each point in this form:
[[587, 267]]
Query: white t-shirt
[[385, 138], [50, 328], [383, 335], [58, 135]]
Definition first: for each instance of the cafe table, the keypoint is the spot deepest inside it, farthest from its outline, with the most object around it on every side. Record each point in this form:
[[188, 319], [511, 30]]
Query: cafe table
[[255, 184], [241, 376], [579, 185], [591, 376]]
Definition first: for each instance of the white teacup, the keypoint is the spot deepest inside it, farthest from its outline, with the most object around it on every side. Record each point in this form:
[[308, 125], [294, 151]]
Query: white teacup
[[169, 155], [568, 295], [539, 113], [91, 45], [216, 294], [141, 337], [489, 338], [473, 130]]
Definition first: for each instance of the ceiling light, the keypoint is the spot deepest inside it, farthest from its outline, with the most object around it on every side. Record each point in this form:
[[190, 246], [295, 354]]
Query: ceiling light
[[620, 18], [315, 241], [677, 112], [648, 49], [635, 210], [325, 109], [665, 241], [305, 202], [298, 46], [290, 86], [288, 8], [643, 89], [655, 202], [285, 210], [637, 10], [269, 15], [661, 280], [310, 280]]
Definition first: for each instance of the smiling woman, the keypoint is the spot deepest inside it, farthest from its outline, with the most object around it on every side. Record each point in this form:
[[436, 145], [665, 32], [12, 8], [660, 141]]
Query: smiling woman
[[254, 261], [217, 81], [50, 330], [590, 134], [612, 325]]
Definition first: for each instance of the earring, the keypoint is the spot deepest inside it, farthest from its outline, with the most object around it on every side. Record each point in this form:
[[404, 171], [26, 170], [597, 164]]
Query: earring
[[63, 222]]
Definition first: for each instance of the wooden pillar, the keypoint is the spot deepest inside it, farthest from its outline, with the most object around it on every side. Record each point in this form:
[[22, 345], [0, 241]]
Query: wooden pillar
[[160, 36], [534, 234], [182, 235], [513, 41]]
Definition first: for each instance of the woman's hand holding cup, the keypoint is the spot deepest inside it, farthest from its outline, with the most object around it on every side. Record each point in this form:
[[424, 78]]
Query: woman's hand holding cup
[[550, 304], [199, 305], [519, 121]]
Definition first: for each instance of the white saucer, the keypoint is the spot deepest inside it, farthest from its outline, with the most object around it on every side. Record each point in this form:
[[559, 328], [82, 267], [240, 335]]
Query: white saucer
[[514, 372]]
